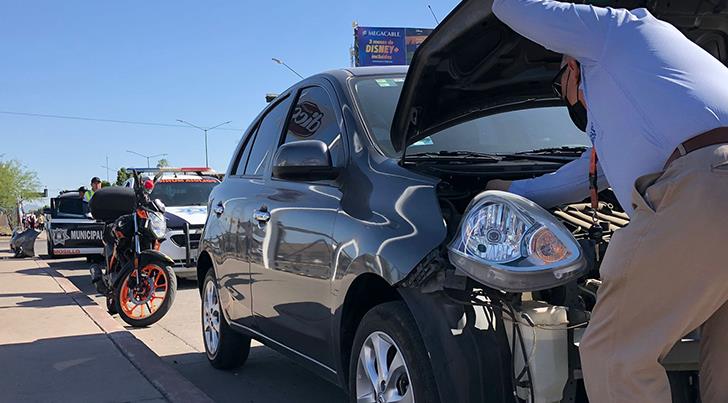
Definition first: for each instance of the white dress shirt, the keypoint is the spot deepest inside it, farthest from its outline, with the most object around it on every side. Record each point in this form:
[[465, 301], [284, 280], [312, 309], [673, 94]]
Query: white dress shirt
[[648, 88]]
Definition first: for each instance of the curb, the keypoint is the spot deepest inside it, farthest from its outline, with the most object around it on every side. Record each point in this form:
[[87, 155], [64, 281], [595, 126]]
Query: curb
[[170, 383]]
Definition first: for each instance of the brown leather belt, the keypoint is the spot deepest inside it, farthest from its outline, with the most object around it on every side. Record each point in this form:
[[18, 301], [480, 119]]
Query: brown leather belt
[[709, 138]]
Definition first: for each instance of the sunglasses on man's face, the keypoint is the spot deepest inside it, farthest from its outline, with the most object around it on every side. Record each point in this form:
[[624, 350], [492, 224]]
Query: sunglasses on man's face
[[556, 83]]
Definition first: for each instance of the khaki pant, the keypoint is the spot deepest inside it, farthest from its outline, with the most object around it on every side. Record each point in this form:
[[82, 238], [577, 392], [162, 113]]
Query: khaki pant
[[664, 275]]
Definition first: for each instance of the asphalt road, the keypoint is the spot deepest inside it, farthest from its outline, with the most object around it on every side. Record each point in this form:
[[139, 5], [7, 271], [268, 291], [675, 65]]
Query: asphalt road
[[266, 377]]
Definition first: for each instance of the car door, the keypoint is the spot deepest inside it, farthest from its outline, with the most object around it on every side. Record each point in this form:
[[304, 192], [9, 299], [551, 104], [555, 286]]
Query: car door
[[231, 205], [291, 247]]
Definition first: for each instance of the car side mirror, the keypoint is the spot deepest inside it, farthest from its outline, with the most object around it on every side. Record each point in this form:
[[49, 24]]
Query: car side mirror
[[304, 160]]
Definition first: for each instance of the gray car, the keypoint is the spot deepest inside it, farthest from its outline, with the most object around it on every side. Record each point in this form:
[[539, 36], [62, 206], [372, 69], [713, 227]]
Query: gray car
[[352, 232]]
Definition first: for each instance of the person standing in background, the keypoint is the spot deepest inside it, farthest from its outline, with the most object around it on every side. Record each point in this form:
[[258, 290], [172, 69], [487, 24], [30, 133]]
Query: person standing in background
[[95, 185]]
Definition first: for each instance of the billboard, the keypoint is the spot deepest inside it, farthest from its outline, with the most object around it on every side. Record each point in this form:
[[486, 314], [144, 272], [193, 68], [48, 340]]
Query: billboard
[[380, 46]]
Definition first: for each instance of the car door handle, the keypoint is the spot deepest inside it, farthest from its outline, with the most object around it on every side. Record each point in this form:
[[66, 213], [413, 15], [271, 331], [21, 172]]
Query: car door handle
[[262, 216], [219, 209]]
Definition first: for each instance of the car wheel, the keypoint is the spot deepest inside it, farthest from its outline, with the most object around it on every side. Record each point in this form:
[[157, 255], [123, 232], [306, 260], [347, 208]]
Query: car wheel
[[225, 348], [389, 362]]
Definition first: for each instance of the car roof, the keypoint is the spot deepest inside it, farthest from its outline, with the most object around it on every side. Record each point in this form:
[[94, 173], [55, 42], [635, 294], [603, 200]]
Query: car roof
[[344, 73], [376, 70]]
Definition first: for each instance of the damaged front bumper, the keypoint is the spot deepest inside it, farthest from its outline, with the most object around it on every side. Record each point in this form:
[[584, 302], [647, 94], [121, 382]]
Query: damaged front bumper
[[504, 346]]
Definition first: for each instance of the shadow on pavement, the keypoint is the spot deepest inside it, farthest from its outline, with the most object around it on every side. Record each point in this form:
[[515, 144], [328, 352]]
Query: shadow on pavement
[[183, 284], [34, 271], [78, 368], [39, 300], [266, 377]]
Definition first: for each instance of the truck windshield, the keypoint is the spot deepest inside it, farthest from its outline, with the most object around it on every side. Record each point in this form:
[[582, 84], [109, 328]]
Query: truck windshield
[[536, 127], [69, 206], [183, 193]]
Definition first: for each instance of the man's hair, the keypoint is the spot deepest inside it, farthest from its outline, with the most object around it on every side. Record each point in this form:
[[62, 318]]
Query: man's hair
[[82, 189], [95, 179]]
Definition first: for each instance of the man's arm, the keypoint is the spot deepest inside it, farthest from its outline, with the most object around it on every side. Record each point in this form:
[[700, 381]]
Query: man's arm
[[569, 184], [577, 30]]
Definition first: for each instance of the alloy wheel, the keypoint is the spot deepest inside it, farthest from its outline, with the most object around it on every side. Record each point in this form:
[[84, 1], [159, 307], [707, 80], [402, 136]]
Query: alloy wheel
[[211, 317], [150, 292], [382, 375]]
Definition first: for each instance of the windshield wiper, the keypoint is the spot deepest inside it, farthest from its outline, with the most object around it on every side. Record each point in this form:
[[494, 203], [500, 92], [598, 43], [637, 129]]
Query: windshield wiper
[[459, 156], [556, 150]]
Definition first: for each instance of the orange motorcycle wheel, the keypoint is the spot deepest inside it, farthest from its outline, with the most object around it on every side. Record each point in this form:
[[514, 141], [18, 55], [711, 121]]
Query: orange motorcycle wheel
[[143, 300]]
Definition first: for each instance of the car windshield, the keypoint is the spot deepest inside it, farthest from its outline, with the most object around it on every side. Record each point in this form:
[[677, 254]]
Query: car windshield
[[537, 127], [183, 193], [70, 206]]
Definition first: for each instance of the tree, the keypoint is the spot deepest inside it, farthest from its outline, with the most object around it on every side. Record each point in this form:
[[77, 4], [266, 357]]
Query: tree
[[162, 163], [121, 176], [16, 184], [105, 184]]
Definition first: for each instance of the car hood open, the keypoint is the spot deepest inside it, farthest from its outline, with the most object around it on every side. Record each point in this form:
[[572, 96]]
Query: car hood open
[[472, 62]]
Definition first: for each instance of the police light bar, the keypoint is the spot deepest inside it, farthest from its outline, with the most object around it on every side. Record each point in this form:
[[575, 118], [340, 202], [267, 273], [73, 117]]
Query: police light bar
[[198, 170], [142, 170]]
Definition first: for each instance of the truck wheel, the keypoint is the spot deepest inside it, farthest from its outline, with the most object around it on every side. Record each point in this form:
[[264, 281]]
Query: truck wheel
[[389, 362], [225, 348]]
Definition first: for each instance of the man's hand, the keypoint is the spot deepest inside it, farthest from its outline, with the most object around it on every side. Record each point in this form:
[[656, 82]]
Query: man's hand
[[498, 184]]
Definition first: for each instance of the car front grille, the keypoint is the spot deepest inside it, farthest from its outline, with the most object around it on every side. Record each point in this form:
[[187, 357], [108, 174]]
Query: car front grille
[[181, 241]]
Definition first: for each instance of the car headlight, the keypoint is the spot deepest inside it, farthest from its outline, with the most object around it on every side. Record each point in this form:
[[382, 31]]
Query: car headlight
[[157, 224], [509, 243]]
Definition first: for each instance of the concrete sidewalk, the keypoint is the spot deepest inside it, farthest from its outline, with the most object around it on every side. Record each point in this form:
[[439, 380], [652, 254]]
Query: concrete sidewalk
[[58, 345]]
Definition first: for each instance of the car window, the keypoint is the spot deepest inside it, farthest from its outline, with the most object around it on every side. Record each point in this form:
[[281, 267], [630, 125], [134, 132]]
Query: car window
[[538, 126], [314, 118], [244, 154], [184, 192], [70, 205], [267, 138]]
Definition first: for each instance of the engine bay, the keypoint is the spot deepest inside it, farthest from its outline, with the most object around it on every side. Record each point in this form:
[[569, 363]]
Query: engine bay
[[591, 229], [540, 324]]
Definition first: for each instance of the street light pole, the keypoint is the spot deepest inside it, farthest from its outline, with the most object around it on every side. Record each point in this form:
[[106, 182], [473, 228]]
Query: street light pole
[[107, 169], [204, 129], [147, 156], [279, 61]]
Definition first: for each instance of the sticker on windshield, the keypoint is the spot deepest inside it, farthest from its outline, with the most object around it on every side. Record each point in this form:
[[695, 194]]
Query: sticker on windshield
[[389, 82], [427, 141]]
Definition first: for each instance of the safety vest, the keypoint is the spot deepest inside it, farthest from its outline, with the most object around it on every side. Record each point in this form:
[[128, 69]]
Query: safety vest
[[88, 195]]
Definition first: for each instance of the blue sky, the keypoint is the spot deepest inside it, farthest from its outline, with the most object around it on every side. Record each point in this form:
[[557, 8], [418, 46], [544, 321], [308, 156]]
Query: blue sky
[[206, 62]]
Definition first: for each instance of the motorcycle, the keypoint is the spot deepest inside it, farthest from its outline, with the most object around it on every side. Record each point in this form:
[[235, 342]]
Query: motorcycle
[[137, 279]]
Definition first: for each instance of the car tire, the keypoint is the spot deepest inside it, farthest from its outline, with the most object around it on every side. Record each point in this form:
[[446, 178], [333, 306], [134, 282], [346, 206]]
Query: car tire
[[392, 327], [224, 347]]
